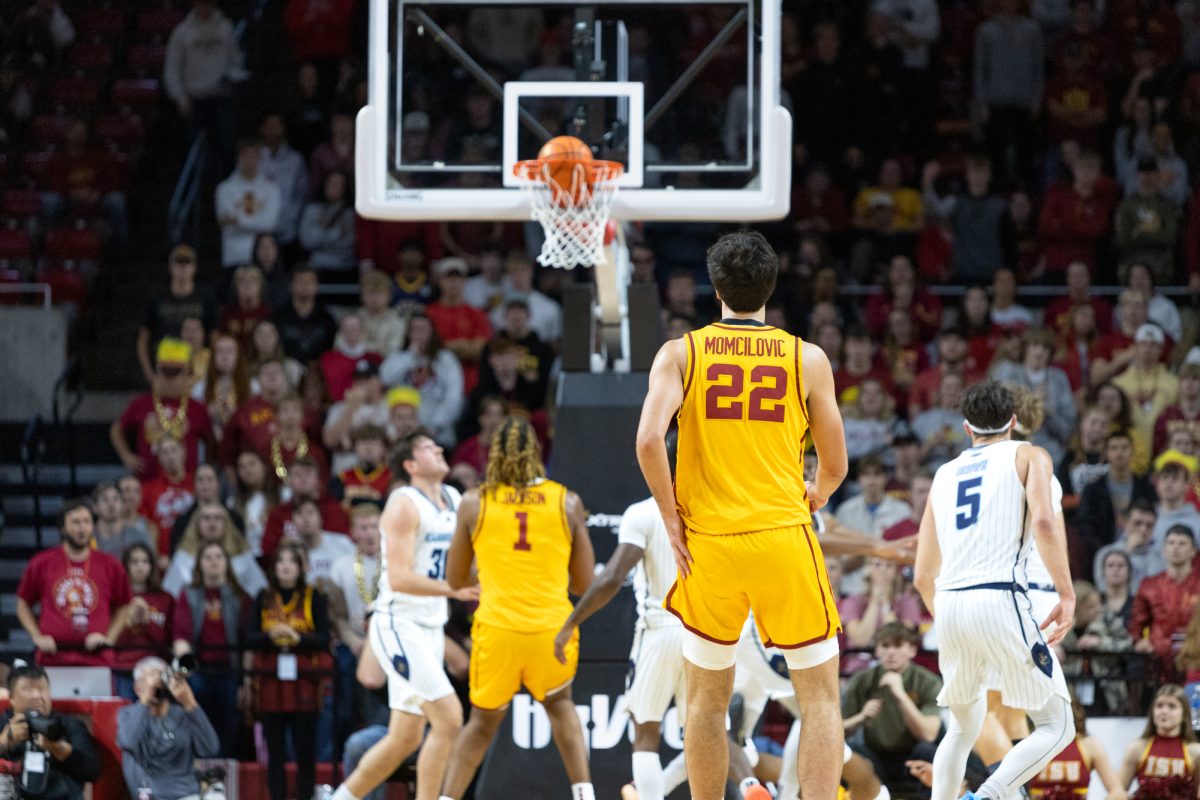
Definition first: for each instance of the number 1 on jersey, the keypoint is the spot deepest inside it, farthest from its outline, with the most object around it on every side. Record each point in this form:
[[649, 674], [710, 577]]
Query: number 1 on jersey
[[968, 502], [523, 534]]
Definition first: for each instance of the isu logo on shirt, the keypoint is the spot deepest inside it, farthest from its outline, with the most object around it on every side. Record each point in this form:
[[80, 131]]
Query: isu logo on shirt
[[1163, 767], [75, 594], [1062, 772]]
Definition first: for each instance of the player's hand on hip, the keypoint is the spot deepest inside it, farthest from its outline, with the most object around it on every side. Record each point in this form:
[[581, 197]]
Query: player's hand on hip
[[1060, 621], [816, 501], [560, 643], [677, 535]]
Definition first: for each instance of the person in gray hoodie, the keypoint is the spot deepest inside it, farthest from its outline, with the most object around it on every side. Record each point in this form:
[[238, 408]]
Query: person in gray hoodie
[[203, 62]]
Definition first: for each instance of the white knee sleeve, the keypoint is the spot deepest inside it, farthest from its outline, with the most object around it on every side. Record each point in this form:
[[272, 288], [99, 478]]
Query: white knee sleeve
[[707, 654], [812, 655]]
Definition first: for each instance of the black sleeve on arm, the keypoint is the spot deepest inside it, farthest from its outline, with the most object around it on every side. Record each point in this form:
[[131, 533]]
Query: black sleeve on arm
[[319, 638], [83, 764], [252, 632]]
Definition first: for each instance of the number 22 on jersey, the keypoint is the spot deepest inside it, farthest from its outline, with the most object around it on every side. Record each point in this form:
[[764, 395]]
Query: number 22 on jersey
[[765, 403]]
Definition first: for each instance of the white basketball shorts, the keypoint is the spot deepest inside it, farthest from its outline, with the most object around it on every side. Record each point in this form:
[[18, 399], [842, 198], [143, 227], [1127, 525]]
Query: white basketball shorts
[[412, 656], [656, 674]]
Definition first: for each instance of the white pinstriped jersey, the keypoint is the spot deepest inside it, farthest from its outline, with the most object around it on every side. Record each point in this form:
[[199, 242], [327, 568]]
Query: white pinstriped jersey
[[434, 532], [1036, 573], [642, 525], [979, 512]]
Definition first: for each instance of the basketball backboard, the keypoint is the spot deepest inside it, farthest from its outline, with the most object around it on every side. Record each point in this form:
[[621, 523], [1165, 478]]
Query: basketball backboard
[[685, 95]]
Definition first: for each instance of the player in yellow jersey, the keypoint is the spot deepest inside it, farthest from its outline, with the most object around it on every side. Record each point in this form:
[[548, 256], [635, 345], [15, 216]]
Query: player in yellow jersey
[[528, 537], [739, 515]]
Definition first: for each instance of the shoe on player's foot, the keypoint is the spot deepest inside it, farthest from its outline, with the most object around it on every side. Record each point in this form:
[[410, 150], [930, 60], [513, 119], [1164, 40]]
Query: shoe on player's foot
[[755, 791], [629, 792], [970, 796]]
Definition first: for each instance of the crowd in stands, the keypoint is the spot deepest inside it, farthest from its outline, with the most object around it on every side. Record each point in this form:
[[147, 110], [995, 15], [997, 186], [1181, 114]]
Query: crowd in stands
[[1023, 155]]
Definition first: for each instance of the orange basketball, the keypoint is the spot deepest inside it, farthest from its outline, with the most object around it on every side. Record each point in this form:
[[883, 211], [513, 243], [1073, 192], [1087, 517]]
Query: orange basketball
[[560, 156]]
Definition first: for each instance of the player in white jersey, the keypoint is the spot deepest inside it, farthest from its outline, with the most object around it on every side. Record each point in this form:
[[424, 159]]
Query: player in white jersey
[[971, 552], [1030, 410], [405, 630]]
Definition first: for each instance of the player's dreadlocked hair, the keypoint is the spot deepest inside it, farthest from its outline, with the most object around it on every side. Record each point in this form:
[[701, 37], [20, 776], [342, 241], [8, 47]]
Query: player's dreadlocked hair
[[515, 458]]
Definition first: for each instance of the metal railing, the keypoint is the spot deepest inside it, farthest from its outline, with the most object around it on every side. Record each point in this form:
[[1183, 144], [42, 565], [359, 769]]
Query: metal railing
[[183, 213]]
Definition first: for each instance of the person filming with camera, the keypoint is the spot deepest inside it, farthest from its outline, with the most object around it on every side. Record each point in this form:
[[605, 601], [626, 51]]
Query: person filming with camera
[[163, 733], [57, 754]]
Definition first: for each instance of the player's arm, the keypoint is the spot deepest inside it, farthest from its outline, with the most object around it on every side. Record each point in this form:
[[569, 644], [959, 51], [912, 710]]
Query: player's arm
[[1034, 463], [841, 540], [929, 558], [583, 557], [1103, 767], [663, 399], [825, 424], [399, 523], [462, 549], [599, 594]]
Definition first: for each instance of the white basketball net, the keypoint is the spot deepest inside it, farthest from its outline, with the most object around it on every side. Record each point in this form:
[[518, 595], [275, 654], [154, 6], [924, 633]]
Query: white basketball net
[[573, 221]]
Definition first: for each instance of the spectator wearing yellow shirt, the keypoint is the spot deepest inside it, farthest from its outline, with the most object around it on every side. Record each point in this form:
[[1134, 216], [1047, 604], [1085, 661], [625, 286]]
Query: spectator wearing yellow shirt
[[1149, 385], [890, 207]]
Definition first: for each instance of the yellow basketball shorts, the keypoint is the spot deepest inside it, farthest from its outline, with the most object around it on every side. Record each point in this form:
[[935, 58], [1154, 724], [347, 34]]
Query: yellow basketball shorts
[[779, 574], [503, 660]]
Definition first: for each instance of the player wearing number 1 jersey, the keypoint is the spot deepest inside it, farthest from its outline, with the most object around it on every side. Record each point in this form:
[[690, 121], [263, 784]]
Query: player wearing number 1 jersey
[[406, 626], [739, 513], [529, 540]]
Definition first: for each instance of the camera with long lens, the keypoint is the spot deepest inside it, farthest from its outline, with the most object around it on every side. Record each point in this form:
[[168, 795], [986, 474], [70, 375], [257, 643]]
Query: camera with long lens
[[181, 666], [49, 726]]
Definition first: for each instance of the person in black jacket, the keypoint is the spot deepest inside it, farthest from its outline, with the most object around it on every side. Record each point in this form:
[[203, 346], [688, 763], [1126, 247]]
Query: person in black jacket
[[69, 753], [1106, 500]]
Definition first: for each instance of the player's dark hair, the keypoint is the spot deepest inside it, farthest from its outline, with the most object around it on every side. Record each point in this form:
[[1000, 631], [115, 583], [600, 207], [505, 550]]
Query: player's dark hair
[[21, 670], [515, 458], [988, 405], [743, 267], [152, 582], [71, 506], [894, 633], [403, 451]]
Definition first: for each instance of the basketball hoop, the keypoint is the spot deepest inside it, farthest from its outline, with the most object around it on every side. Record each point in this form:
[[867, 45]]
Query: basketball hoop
[[575, 218]]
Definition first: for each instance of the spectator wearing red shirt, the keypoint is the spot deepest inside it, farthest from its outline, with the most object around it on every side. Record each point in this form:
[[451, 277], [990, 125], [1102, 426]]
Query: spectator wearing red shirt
[[1183, 415], [253, 425], [475, 449], [1076, 101], [334, 155], [818, 206], [1079, 293], [464, 329], [319, 30], [983, 335], [370, 479], [1077, 349], [169, 495], [166, 410], [304, 480], [918, 494], [241, 317], [149, 630], [378, 243], [901, 292], [89, 183], [1164, 602], [905, 355], [858, 364], [291, 441], [953, 357], [1076, 219], [349, 347], [82, 594]]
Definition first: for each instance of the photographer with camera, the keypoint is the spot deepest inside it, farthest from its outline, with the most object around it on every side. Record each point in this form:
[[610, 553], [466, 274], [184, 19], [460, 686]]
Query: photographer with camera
[[57, 753], [162, 735]]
